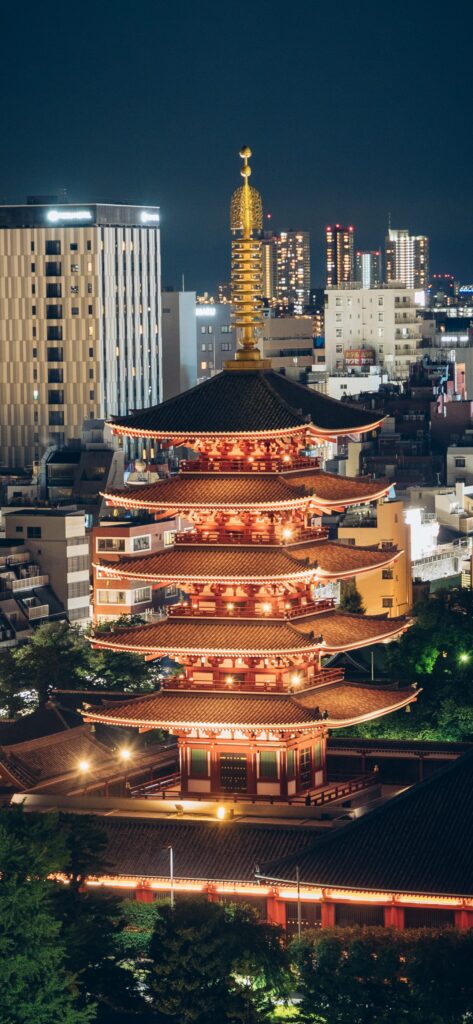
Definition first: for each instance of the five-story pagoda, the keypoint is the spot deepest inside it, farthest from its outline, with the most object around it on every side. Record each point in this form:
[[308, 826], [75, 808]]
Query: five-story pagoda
[[253, 705]]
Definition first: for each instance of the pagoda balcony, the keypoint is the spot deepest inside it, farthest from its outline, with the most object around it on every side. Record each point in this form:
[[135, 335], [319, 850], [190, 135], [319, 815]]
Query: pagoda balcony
[[249, 612], [244, 680], [285, 535], [252, 464]]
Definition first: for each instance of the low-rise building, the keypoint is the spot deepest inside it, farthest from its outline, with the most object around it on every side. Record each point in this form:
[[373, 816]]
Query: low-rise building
[[386, 591]]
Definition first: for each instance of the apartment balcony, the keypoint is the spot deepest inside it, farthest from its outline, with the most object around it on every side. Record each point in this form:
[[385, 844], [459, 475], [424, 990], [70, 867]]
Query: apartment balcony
[[28, 583], [37, 611]]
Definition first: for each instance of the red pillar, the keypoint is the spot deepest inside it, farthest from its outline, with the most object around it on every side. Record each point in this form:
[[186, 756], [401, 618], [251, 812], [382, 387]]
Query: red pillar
[[463, 919], [283, 773], [394, 917], [143, 894], [327, 914], [183, 765], [276, 911], [214, 770], [251, 771]]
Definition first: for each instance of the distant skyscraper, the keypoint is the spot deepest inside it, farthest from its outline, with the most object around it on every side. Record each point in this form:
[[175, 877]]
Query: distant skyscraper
[[407, 258], [80, 319], [292, 251], [270, 269], [368, 269], [340, 255]]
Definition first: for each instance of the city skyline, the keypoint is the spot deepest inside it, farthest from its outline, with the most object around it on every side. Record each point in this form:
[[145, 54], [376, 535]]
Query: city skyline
[[137, 121]]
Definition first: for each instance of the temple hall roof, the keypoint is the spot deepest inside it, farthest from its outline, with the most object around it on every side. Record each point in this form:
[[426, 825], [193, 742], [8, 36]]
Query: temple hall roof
[[43, 760], [330, 631], [418, 842], [247, 490], [201, 563], [331, 706], [247, 402]]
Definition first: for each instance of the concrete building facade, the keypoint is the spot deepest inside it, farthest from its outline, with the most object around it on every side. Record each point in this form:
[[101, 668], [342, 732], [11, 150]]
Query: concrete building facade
[[179, 342], [386, 591], [80, 320], [384, 319], [407, 258]]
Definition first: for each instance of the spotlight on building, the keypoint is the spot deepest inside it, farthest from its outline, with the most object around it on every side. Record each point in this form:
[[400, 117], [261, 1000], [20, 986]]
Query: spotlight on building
[[84, 765], [287, 533], [221, 813], [124, 754]]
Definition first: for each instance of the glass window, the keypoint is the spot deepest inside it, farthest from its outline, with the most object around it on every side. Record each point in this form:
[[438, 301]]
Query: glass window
[[268, 764], [55, 355], [112, 597], [56, 376], [142, 543], [75, 311], [110, 543], [33, 532], [53, 290], [142, 595], [460, 463], [56, 397], [53, 312], [168, 538], [74, 268], [56, 419], [53, 248], [318, 760], [53, 270], [387, 602], [199, 763]]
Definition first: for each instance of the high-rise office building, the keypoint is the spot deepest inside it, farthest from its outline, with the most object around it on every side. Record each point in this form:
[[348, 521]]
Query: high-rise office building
[[80, 319], [368, 270], [340, 243], [270, 268], [407, 258], [293, 270]]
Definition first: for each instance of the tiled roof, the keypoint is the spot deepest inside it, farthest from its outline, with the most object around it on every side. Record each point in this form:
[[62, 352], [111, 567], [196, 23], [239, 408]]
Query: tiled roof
[[233, 490], [209, 851], [198, 562], [172, 709], [35, 761], [418, 842], [44, 721], [336, 630], [247, 401], [342, 631]]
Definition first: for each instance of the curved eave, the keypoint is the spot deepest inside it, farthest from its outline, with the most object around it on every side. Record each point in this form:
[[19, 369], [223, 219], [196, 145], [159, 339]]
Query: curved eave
[[120, 501], [178, 438], [380, 638], [369, 716], [325, 574], [171, 650], [171, 725]]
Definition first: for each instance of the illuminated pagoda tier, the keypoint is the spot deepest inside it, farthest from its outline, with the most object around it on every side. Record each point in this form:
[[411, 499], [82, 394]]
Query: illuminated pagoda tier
[[252, 703]]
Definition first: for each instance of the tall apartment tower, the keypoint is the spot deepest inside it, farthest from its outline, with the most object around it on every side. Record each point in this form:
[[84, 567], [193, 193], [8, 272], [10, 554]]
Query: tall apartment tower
[[368, 270], [340, 243], [293, 270], [270, 267], [80, 320], [407, 258]]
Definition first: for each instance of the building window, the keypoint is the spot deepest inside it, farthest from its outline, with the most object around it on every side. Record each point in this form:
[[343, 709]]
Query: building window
[[31, 246], [142, 595], [91, 353], [387, 574], [53, 290], [75, 311], [74, 289], [53, 248], [225, 346], [55, 355], [54, 333], [112, 597], [203, 366], [387, 602], [460, 463], [73, 246], [198, 763], [89, 245], [56, 419], [33, 268], [339, 333], [339, 348], [116, 544], [74, 268], [168, 538], [268, 764], [89, 289], [91, 396], [33, 532], [33, 311], [204, 347], [53, 312], [53, 269], [210, 329], [203, 330], [225, 329], [56, 397], [90, 310], [56, 376], [142, 543]]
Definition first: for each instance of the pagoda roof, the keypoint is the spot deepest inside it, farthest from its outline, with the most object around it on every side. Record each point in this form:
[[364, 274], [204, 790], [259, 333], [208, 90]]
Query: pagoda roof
[[418, 842], [233, 491], [175, 636], [249, 402], [200, 563], [331, 706]]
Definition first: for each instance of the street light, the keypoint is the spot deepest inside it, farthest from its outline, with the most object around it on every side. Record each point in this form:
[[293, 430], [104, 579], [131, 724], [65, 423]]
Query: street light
[[171, 871], [84, 767], [125, 755], [286, 881]]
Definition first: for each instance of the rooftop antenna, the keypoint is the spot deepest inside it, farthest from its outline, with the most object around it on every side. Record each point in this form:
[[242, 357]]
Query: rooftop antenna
[[183, 283], [389, 220]]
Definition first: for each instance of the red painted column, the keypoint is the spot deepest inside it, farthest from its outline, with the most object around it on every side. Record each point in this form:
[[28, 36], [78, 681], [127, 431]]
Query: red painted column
[[283, 773], [394, 917], [327, 914], [183, 765], [276, 911], [251, 771], [463, 919], [214, 770], [144, 894]]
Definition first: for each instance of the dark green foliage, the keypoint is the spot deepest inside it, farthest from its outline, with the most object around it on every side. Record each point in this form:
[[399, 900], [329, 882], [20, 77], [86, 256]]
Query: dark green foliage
[[437, 654], [350, 598], [380, 976], [36, 986], [213, 964], [60, 657]]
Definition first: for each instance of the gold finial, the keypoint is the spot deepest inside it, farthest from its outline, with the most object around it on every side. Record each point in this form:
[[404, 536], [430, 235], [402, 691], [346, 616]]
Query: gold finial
[[246, 222]]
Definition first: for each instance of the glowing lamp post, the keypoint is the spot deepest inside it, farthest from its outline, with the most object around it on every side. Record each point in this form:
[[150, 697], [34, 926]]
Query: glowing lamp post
[[171, 872], [84, 768], [125, 755]]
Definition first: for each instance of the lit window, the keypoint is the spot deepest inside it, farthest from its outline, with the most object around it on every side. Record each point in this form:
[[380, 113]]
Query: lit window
[[142, 543]]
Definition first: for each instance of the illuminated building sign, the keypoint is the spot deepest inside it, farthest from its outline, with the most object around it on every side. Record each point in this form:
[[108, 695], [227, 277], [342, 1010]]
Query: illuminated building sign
[[149, 218], [205, 311], [55, 216]]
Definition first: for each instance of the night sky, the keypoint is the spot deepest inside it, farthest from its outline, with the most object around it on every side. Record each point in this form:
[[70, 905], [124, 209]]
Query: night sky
[[351, 110]]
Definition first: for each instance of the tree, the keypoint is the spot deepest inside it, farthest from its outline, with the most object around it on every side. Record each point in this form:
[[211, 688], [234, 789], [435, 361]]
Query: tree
[[366, 975], [212, 963], [35, 985], [12, 698], [351, 600], [56, 656]]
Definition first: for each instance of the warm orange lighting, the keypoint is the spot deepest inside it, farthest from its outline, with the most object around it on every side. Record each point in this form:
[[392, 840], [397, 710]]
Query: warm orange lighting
[[287, 533], [221, 813], [295, 679], [84, 765], [229, 680], [267, 608], [230, 607], [125, 754]]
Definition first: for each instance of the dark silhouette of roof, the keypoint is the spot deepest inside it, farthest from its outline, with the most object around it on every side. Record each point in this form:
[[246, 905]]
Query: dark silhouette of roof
[[247, 401], [418, 842]]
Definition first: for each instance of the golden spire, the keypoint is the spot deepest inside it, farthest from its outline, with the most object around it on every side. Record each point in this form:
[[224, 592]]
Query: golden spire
[[246, 222]]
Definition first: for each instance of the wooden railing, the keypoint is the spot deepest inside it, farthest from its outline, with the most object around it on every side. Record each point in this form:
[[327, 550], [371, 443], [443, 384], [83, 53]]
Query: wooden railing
[[320, 797], [270, 537], [256, 465], [297, 612]]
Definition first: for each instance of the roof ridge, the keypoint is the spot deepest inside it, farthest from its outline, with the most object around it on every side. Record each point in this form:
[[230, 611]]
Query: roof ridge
[[264, 375]]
